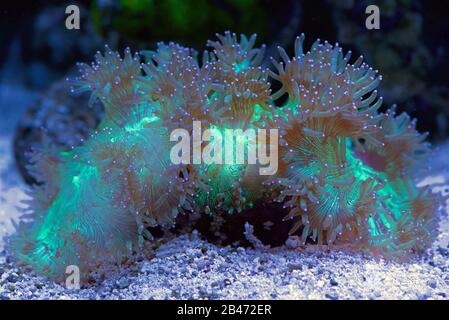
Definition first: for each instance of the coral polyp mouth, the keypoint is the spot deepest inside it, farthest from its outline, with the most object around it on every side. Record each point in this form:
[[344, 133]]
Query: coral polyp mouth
[[346, 171]]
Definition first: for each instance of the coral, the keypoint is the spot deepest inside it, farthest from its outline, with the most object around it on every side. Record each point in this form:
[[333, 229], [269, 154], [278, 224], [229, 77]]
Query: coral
[[346, 172], [345, 167]]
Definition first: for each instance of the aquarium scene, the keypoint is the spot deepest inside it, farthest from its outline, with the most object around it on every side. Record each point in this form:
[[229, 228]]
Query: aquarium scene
[[234, 150]]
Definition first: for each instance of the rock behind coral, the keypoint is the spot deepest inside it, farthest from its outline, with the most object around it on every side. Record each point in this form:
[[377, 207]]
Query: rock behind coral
[[64, 119]]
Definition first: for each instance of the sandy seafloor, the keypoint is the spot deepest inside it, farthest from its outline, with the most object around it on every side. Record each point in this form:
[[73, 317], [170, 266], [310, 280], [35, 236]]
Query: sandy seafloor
[[187, 267]]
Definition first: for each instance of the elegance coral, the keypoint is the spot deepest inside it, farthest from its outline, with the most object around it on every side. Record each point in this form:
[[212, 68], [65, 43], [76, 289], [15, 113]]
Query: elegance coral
[[345, 170]]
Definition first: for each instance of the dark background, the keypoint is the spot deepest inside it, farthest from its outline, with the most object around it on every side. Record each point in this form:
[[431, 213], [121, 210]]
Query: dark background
[[410, 50]]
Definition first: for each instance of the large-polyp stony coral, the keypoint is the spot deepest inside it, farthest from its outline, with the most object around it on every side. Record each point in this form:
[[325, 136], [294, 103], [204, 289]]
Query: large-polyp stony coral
[[346, 171]]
